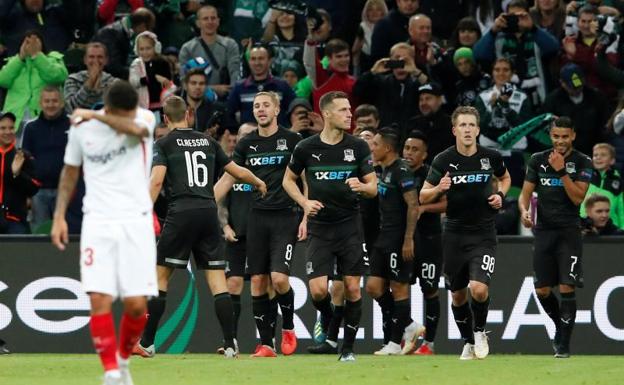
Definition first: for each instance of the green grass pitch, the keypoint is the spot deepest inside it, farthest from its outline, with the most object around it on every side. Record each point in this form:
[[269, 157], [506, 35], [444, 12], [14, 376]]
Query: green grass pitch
[[68, 369]]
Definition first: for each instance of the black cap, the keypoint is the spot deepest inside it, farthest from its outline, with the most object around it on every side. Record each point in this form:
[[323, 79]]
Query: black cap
[[430, 88], [9, 115], [298, 102]]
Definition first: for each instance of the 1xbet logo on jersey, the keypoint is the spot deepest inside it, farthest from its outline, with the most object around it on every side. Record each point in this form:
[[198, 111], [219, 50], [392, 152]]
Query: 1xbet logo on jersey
[[470, 178], [332, 175], [266, 160]]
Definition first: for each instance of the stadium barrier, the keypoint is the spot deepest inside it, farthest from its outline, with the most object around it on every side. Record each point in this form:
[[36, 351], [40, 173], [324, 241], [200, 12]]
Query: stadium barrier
[[43, 308]]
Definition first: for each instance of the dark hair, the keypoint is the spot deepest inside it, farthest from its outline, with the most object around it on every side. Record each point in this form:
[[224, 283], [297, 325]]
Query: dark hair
[[325, 15], [518, 4], [266, 46], [595, 198], [504, 59], [143, 16], [563, 122], [36, 32], [465, 110], [371, 129], [366, 110], [588, 8], [207, 6], [121, 96], [329, 97], [193, 72], [466, 24], [335, 46], [390, 137], [417, 134], [174, 108], [96, 44]]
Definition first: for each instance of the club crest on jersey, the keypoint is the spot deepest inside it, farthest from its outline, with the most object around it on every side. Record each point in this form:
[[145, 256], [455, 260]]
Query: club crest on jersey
[[615, 184], [388, 178], [485, 164], [348, 155], [281, 145], [309, 268], [570, 167]]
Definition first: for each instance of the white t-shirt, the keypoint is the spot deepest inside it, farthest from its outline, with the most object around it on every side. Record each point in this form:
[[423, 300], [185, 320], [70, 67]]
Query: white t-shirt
[[116, 168]]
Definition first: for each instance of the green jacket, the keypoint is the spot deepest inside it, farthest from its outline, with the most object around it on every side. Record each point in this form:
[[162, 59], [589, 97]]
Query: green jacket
[[609, 184], [24, 80]]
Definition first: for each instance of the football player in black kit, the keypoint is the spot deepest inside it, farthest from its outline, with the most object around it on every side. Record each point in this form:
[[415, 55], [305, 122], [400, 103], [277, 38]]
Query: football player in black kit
[[233, 213], [337, 168], [466, 173], [561, 177], [185, 162], [272, 225], [428, 241], [391, 263]]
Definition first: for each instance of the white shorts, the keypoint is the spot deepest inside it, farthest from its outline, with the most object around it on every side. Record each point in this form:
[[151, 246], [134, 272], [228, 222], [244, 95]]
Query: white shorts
[[118, 259]]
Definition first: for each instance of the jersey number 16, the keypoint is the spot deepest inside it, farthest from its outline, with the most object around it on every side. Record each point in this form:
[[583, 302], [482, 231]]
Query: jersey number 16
[[193, 168]]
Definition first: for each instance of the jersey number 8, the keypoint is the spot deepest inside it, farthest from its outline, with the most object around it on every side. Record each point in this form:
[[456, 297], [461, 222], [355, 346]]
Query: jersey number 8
[[193, 167]]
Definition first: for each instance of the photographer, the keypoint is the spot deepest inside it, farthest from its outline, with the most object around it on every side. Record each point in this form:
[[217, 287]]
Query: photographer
[[581, 48], [392, 86], [515, 36]]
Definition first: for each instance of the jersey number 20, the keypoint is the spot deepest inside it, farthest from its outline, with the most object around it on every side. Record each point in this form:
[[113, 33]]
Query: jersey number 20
[[193, 168]]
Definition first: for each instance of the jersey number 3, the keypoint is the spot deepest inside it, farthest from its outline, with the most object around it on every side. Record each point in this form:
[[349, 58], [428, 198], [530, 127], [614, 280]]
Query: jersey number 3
[[196, 172]]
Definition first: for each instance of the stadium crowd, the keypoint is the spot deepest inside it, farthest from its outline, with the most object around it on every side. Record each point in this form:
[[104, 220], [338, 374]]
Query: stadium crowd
[[404, 64]]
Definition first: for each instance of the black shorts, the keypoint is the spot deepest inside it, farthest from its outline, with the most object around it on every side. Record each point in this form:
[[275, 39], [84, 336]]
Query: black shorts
[[557, 257], [340, 244], [468, 257], [388, 263], [271, 239], [187, 231], [428, 261], [236, 258]]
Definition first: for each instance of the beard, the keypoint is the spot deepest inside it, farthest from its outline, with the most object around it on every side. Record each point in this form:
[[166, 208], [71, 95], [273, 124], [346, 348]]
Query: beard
[[267, 123]]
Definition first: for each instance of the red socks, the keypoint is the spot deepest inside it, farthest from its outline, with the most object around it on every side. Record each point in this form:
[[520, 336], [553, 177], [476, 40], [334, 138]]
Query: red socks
[[104, 339], [131, 329]]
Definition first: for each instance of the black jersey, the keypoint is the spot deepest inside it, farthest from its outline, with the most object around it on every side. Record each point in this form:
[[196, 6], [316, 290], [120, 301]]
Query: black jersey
[[238, 203], [467, 207], [267, 157], [327, 167], [554, 207], [392, 182], [192, 160], [428, 223]]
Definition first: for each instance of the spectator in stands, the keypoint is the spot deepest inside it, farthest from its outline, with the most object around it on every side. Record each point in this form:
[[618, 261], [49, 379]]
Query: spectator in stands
[[170, 54], [241, 97], [16, 179], [286, 33], [470, 80], [615, 133], [45, 139], [524, 44], [150, 73], [247, 20], [26, 73], [118, 38], [50, 21], [426, 52], [392, 28], [394, 91], [587, 107], [445, 15], [549, 15], [219, 51], [581, 50], [206, 115], [365, 116], [374, 10], [607, 182], [86, 88], [302, 119], [336, 77], [433, 121], [227, 141], [106, 9], [598, 221], [466, 34], [292, 73]]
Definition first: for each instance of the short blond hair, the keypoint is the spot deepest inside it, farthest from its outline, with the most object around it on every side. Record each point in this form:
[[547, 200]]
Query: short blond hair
[[402, 45], [465, 110], [273, 95], [605, 146]]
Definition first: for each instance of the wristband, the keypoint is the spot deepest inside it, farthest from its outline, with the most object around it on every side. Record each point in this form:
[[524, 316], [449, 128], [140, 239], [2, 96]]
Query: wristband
[[500, 193], [561, 173]]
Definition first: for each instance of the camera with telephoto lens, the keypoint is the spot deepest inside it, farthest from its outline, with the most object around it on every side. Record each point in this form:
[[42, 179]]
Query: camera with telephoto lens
[[608, 30], [507, 89], [298, 7]]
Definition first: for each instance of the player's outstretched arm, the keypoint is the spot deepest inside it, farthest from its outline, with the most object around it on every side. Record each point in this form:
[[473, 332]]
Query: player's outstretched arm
[[156, 181], [430, 193], [67, 184], [524, 202], [246, 176]]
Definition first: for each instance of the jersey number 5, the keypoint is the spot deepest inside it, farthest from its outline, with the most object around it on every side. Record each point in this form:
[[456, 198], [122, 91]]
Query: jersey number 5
[[193, 168]]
